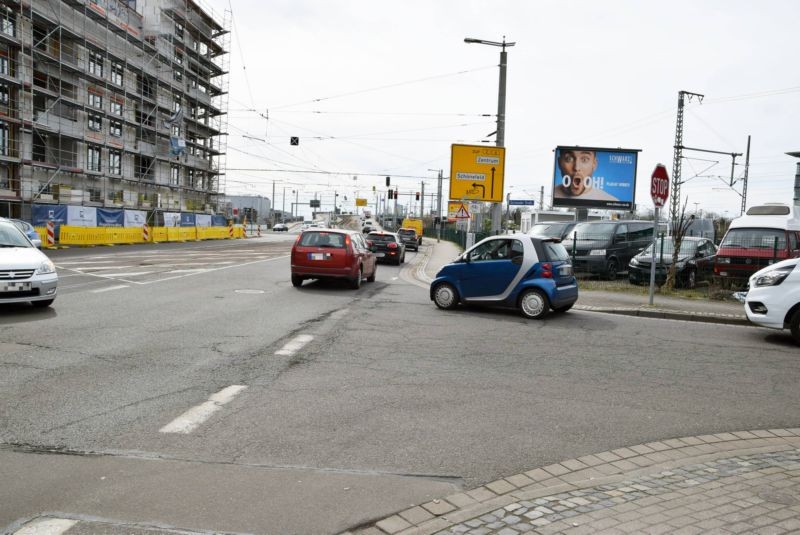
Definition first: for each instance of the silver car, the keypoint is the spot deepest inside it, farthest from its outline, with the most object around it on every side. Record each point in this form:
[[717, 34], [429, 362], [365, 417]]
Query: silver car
[[26, 274]]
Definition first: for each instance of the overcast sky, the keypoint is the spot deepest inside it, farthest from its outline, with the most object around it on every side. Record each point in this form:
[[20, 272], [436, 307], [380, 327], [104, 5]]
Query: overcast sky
[[375, 88]]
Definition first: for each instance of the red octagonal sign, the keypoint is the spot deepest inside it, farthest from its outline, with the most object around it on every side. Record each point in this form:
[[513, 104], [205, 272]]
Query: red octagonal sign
[[659, 185]]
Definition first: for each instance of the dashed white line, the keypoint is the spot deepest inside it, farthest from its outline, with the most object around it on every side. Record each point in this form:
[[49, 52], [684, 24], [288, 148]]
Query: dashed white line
[[110, 288], [294, 345], [191, 419], [51, 526]]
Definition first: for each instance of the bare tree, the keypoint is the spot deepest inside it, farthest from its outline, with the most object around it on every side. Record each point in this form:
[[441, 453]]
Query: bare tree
[[678, 229]]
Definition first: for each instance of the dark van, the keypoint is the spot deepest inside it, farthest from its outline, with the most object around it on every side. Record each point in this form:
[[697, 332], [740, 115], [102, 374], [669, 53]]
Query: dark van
[[605, 248]]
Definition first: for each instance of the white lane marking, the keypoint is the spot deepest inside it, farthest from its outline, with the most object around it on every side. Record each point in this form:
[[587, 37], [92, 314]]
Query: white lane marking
[[198, 270], [51, 526], [120, 275], [294, 345], [110, 288], [191, 419], [395, 278], [83, 262]]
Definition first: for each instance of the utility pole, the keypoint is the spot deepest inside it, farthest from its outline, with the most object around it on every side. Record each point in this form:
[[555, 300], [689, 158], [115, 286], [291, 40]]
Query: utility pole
[[746, 172], [395, 226], [422, 201], [677, 156], [272, 206], [497, 208], [439, 207], [283, 206], [541, 198]]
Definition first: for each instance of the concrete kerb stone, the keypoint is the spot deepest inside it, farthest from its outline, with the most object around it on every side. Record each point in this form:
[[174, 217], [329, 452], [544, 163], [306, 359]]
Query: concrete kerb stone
[[650, 458], [686, 315]]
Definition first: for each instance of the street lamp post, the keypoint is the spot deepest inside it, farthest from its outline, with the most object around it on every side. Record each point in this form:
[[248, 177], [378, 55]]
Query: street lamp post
[[497, 208]]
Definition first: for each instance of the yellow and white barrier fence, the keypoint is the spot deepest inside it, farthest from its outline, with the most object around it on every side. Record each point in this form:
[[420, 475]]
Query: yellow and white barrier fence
[[89, 236]]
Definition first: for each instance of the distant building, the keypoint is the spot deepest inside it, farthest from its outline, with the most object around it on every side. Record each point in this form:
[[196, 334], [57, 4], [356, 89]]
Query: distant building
[[113, 104], [255, 207]]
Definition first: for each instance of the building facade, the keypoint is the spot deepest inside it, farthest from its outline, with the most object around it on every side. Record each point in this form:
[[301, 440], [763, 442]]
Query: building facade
[[112, 103]]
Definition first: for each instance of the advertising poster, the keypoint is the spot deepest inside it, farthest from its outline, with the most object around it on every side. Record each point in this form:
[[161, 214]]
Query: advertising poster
[[135, 218], [42, 213], [188, 219], [172, 219], [203, 220], [82, 216], [588, 177], [110, 217]]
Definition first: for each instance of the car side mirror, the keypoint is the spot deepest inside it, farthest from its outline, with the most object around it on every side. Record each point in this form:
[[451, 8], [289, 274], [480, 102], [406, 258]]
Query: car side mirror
[[465, 258]]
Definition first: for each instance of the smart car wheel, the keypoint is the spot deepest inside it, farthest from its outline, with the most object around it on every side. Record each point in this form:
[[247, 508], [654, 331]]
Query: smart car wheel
[[445, 296], [612, 269], [297, 281], [794, 325], [534, 304]]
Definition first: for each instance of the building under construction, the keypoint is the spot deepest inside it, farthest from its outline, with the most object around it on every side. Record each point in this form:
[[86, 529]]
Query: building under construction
[[113, 104]]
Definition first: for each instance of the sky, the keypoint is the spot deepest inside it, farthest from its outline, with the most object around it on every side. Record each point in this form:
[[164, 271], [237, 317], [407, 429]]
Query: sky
[[375, 88]]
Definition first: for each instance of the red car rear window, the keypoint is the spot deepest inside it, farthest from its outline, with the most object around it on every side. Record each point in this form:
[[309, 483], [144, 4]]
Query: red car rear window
[[322, 239]]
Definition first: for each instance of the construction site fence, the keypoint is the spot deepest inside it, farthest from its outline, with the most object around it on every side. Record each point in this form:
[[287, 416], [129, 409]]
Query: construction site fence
[[90, 236]]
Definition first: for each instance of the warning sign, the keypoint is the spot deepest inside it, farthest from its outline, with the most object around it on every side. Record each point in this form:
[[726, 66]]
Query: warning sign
[[462, 212]]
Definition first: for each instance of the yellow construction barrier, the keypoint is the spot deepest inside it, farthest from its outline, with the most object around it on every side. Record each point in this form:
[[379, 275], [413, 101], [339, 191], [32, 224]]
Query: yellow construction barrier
[[88, 236]]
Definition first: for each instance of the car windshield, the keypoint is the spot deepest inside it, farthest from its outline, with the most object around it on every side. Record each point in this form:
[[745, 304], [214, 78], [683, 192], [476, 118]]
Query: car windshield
[[11, 236], [688, 247], [322, 239], [757, 238], [381, 238], [593, 231]]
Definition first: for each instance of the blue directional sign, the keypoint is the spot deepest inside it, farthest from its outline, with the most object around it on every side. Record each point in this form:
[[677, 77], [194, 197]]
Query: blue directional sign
[[521, 202]]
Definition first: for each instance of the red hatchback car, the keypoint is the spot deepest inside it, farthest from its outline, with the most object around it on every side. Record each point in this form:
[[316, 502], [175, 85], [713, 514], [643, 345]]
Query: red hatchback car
[[332, 254]]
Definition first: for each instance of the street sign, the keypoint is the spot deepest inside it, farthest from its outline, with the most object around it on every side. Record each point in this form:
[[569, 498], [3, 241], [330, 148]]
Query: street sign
[[521, 202], [462, 213], [361, 202], [477, 172], [659, 185]]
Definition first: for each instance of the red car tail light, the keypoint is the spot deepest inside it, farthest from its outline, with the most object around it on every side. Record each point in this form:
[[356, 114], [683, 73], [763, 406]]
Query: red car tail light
[[392, 245], [547, 270], [348, 247]]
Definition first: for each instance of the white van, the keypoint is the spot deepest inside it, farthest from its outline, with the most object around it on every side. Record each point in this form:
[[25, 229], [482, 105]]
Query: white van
[[765, 235]]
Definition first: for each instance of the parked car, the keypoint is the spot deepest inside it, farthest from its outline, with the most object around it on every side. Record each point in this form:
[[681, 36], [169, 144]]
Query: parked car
[[695, 262], [26, 274], [552, 229], [605, 248], [280, 227], [409, 237], [531, 274], [332, 254], [773, 297], [29, 231], [389, 247], [765, 235]]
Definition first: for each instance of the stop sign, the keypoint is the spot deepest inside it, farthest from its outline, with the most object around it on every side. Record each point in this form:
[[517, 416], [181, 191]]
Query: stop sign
[[659, 185]]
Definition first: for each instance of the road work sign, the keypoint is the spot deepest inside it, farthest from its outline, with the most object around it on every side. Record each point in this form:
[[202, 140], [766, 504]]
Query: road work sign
[[476, 173]]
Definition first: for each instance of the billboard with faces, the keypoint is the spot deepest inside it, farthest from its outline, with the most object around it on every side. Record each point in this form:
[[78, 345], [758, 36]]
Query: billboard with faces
[[590, 177]]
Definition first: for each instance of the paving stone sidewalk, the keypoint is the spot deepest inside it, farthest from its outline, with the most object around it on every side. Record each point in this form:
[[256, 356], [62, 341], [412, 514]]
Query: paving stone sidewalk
[[744, 482]]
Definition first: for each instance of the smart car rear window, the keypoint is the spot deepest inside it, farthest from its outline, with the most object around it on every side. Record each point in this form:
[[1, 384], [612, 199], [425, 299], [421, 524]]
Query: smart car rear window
[[322, 239], [555, 251]]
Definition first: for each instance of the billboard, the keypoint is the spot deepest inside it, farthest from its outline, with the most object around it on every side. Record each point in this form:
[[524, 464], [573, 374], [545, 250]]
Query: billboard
[[589, 177]]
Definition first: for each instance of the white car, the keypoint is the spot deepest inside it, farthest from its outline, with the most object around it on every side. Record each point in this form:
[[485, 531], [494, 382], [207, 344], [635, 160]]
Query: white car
[[26, 274], [773, 298]]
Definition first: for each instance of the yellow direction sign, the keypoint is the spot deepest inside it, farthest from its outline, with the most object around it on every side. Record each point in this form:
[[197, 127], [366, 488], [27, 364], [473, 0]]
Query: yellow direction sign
[[361, 202], [476, 173]]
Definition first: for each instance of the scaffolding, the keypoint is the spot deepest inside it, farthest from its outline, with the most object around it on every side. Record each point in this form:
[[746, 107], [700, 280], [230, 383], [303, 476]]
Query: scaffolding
[[112, 104]]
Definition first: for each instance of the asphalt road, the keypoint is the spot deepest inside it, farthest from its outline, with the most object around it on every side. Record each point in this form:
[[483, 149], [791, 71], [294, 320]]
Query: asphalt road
[[344, 406]]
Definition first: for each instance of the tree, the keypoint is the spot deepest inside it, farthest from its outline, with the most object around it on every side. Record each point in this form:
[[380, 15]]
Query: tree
[[678, 229]]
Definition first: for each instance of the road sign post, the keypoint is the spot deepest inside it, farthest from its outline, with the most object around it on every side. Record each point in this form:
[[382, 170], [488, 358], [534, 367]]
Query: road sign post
[[659, 192]]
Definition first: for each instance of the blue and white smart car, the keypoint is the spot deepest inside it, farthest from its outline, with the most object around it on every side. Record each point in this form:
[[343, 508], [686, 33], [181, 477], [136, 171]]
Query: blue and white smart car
[[531, 274]]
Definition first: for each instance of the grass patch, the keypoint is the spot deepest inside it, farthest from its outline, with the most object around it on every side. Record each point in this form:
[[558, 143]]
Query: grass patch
[[703, 291]]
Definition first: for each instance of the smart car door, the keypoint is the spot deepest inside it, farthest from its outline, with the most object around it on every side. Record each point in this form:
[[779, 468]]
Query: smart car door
[[490, 268]]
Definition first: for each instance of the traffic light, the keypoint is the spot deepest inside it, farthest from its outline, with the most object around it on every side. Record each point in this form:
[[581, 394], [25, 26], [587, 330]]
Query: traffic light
[[396, 193], [388, 181], [417, 195], [391, 194], [373, 188]]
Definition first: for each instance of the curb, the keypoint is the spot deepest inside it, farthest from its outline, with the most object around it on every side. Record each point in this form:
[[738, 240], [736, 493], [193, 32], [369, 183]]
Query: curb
[[585, 472], [685, 315]]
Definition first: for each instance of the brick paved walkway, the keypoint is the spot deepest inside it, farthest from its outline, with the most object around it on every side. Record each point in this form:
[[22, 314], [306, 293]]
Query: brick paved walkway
[[745, 482]]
